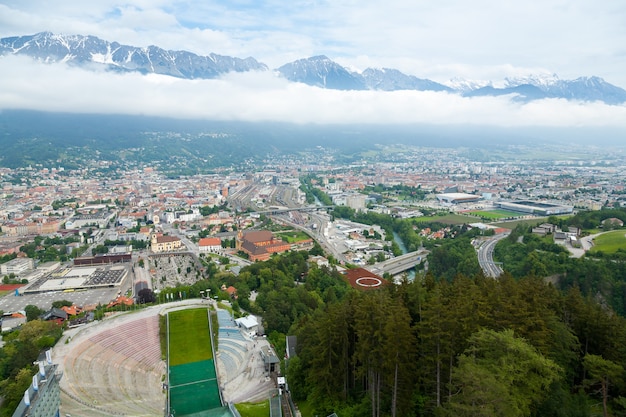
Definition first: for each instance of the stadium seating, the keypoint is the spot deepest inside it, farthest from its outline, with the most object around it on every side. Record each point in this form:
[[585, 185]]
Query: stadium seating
[[119, 363]]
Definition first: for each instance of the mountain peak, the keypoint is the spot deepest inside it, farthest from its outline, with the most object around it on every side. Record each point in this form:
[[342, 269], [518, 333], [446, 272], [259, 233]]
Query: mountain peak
[[79, 50], [538, 80], [318, 70], [318, 58]]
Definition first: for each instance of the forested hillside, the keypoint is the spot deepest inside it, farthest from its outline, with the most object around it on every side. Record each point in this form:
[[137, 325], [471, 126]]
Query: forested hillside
[[475, 346], [456, 343], [599, 275]]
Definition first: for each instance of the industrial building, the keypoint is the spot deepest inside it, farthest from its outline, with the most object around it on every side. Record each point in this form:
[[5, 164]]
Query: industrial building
[[534, 207], [17, 266], [457, 198], [100, 220], [76, 278]]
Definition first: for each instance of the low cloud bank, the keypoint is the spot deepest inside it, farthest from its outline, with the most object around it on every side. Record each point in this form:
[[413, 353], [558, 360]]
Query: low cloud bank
[[26, 84]]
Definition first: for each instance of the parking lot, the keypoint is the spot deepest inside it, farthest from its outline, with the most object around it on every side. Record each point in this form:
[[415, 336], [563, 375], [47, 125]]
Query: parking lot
[[11, 303]]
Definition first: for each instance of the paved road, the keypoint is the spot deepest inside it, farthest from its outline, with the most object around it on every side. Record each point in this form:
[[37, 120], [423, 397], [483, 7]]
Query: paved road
[[586, 243], [399, 264], [485, 256], [329, 244]]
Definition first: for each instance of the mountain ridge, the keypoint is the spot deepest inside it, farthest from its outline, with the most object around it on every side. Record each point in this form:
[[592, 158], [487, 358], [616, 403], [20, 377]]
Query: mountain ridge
[[80, 49], [319, 71]]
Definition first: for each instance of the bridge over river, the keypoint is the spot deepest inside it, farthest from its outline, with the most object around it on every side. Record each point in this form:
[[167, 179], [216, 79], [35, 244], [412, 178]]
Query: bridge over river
[[398, 264]]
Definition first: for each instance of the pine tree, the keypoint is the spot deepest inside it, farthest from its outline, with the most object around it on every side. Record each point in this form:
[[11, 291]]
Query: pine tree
[[400, 347], [500, 375], [370, 320]]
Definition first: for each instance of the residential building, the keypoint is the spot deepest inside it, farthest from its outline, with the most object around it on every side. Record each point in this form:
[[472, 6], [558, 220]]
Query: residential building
[[209, 244]]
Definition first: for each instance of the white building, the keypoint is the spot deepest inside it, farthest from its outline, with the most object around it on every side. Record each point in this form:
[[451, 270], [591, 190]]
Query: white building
[[249, 323], [181, 216], [356, 201], [100, 219], [17, 266], [209, 244]]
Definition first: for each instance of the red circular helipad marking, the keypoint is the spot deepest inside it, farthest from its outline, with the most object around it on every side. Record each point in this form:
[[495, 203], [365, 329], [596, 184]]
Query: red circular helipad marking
[[369, 282]]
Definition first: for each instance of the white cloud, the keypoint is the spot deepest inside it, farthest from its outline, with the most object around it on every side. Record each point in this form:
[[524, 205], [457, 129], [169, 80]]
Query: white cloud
[[481, 39], [25, 84]]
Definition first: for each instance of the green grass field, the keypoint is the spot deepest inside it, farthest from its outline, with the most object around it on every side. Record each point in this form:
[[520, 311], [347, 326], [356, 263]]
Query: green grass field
[[193, 386], [189, 336], [261, 409], [526, 222], [610, 242], [293, 237], [449, 218], [495, 214]]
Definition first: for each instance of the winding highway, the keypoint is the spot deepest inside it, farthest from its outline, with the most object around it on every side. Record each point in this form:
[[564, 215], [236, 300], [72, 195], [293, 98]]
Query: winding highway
[[485, 256]]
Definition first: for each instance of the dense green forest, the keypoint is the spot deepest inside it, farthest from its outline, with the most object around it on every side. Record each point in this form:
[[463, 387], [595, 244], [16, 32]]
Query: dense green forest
[[465, 346], [473, 346], [457, 343]]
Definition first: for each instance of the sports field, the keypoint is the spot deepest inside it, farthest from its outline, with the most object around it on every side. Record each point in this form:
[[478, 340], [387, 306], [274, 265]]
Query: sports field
[[495, 214], [610, 242], [190, 340], [448, 218], [193, 385], [193, 388]]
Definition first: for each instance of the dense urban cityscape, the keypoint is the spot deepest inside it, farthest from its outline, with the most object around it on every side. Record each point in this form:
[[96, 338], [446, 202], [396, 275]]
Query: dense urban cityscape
[[75, 243], [312, 209]]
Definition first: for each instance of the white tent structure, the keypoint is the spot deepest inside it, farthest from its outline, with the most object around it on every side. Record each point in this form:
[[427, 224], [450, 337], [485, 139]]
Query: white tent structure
[[248, 323]]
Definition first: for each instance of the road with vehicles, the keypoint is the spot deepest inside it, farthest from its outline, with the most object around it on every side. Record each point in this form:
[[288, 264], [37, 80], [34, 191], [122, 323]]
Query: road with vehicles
[[485, 256], [398, 264]]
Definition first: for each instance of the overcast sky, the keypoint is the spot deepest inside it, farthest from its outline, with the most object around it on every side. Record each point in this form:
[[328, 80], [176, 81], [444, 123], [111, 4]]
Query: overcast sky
[[440, 40]]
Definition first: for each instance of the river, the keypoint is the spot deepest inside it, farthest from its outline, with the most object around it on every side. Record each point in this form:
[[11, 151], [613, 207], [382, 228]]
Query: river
[[410, 272]]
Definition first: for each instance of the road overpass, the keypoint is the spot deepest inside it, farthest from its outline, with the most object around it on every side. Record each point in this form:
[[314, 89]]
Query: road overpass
[[398, 264]]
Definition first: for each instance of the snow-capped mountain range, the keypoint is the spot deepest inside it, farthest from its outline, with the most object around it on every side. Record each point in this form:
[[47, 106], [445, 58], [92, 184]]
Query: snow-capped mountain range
[[81, 50], [317, 71]]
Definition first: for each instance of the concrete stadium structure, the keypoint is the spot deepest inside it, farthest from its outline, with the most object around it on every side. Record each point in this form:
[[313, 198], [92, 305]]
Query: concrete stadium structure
[[534, 207], [456, 198], [114, 367], [43, 397]]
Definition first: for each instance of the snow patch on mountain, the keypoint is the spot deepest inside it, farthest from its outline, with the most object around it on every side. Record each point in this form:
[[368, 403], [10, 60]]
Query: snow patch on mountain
[[319, 71]]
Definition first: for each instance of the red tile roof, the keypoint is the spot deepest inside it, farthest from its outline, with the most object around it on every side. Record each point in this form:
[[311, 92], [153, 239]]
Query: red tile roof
[[210, 241]]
